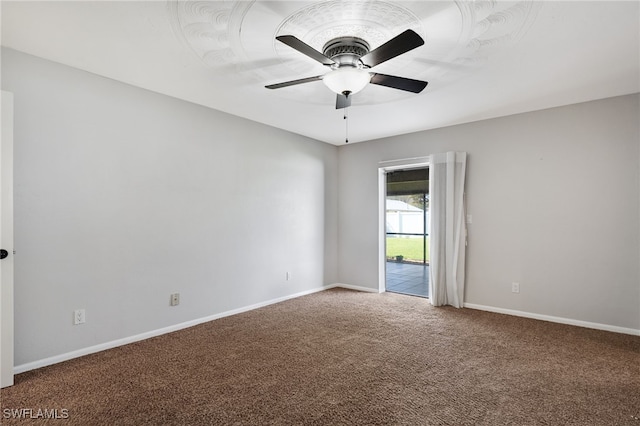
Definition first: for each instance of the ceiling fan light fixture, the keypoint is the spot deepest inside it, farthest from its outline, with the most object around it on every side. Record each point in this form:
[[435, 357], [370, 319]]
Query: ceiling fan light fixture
[[346, 79]]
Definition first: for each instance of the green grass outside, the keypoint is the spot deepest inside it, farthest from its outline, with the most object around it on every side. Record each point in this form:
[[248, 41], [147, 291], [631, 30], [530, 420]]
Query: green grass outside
[[409, 248]]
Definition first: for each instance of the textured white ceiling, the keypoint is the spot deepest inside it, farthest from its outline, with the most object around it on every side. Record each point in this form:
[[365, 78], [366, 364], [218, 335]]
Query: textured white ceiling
[[482, 59]]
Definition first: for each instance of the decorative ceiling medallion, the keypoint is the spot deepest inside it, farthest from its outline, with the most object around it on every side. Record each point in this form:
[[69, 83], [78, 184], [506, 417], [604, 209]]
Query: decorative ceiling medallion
[[371, 20], [239, 36], [503, 24], [205, 27]]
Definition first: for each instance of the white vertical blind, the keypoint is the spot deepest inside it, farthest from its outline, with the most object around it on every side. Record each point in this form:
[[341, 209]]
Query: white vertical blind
[[448, 229]]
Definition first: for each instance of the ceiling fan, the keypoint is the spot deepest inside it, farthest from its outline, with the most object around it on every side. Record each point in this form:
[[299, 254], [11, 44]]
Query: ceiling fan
[[350, 59]]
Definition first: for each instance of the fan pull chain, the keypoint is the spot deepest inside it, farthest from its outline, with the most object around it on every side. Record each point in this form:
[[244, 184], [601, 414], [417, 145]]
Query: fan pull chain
[[346, 125]]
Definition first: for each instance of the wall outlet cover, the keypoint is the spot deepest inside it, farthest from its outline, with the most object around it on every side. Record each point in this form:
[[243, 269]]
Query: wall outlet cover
[[175, 299], [79, 317]]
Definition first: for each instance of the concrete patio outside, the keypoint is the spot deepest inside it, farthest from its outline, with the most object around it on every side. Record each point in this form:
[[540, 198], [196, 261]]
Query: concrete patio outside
[[408, 278]]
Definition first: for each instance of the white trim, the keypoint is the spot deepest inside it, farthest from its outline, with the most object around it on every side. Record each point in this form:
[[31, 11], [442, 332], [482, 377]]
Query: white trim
[[382, 230], [404, 163], [559, 320], [143, 336], [153, 333], [7, 333], [385, 167], [354, 287]]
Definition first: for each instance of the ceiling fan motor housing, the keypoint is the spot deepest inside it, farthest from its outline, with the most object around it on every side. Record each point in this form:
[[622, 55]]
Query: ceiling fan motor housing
[[346, 51]]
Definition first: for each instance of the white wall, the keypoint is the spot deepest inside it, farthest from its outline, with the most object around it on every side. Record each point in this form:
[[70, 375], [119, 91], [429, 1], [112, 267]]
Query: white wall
[[123, 196], [554, 197]]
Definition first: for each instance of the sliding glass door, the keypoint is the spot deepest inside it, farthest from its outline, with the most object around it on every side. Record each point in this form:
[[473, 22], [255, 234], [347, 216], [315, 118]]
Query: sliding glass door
[[407, 232]]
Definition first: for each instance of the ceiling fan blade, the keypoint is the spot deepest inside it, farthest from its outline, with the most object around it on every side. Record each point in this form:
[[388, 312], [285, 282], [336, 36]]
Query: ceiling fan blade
[[305, 49], [398, 45], [294, 82], [407, 84], [342, 101]]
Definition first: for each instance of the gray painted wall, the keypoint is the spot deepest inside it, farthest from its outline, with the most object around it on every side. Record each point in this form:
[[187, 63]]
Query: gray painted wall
[[123, 196], [554, 197]]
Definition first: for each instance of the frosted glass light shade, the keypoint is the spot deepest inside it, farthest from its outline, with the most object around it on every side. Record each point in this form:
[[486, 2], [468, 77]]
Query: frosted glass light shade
[[350, 80]]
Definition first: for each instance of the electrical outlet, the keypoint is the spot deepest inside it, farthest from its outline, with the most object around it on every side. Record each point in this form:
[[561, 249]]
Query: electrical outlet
[[79, 317], [515, 287], [175, 299]]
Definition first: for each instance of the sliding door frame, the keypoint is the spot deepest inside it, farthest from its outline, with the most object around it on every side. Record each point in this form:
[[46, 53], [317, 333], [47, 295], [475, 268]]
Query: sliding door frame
[[385, 167]]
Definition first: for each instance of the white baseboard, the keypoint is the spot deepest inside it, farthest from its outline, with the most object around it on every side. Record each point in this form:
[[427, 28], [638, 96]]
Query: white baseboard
[[354, 287], [559, 320], [153, 333]]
